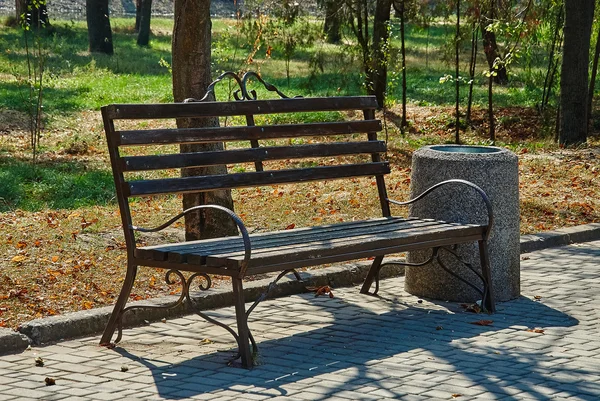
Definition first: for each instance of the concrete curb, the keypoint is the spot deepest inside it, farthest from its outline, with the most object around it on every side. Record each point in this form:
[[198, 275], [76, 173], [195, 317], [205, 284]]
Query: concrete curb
[[560, 237], [92, 322]]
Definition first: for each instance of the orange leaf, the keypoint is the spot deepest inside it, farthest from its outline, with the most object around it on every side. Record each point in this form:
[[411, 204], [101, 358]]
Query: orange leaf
[[85, 223], [21, 244], [54, 259], [538, 331], [19, 258], [483, 322], [291, 226]]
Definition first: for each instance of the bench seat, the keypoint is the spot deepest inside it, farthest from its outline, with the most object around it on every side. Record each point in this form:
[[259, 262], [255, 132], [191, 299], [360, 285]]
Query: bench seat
[[302, 247]]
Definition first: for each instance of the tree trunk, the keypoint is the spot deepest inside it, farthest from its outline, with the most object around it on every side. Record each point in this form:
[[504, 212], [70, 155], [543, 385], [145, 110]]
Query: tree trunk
[[490, 48], [98, 22], [138, 14], [457, 73], [33, 15], [472, 67], [574, 72], [399, 13], [191, 51], [593, 77], [552, 65], [333, 21], [144, 28], [380, 38]]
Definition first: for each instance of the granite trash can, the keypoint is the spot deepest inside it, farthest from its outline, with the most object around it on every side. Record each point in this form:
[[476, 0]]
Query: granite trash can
[[493, 169]]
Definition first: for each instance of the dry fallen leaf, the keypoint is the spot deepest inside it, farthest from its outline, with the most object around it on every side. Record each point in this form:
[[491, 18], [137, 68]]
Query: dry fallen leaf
[[325, 289], [50, 381], [482, 322], [39, 361], [18, 258], [124, 368], [538, 331], [537, 297], [456, 395], [474, 308]]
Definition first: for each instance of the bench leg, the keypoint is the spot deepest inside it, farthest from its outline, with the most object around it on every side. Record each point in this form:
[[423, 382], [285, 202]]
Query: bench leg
[[488, 292], [242, 323], [115, 317], [373, 274]]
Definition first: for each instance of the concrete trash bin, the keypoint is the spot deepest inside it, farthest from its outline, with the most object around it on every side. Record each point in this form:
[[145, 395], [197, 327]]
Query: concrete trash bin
[[493, 169]]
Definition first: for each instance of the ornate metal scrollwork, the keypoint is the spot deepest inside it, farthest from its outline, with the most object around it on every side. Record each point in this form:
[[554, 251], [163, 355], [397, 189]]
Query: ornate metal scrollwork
[[169, 279], [435, 255], [239, 94]]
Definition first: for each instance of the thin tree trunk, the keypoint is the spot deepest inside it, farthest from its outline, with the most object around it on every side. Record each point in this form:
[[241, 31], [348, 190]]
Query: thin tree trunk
[[191, 51], [138, 15], [491, 121], [457, 72], [549, 79], [593, 77], [490, 48], [404, 123], [472, 67], [98, 22], [380, 38], [144, 29]]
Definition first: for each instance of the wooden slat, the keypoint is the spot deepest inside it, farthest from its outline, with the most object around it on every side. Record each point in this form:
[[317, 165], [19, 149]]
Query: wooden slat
[[182, 160], [230, 181], [238, 108], [316, 249], [241, 133], [281, 238], [351, 254]]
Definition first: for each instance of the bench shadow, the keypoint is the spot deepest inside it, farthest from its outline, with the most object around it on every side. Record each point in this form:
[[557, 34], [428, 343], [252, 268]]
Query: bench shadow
[[410, 342]]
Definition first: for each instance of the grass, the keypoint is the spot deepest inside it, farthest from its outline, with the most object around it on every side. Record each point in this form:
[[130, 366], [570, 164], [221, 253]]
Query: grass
[[60, 233], [62, 185]]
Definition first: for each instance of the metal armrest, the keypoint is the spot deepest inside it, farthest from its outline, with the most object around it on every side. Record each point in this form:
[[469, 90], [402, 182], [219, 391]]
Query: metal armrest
[[483, 195], [238, 221]]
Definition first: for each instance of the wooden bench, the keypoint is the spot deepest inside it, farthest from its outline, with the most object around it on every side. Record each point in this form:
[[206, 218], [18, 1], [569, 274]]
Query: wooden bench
[[268, 252]]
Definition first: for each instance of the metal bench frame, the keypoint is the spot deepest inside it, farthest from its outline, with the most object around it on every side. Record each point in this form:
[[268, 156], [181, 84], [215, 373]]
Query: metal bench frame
[[282, 251]]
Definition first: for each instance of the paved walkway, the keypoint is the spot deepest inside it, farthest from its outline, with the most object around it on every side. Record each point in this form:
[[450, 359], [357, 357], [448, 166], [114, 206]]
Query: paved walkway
[[542, 346]]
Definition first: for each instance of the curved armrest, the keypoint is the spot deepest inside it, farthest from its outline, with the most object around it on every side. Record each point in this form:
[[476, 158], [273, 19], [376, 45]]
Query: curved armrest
[[234, 217], [483, 195]]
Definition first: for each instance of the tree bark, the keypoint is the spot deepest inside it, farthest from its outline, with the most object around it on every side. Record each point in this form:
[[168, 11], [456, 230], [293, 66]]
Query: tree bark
[[490, 48], [574, 71], [380, 38], [144, 28], [333, 20], [191, 49], [33, 16], [404, 122], [98, 22], [138, 14]]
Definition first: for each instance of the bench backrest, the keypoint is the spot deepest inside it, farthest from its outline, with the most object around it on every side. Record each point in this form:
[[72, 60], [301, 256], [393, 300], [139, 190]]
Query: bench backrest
[[264, 146]]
